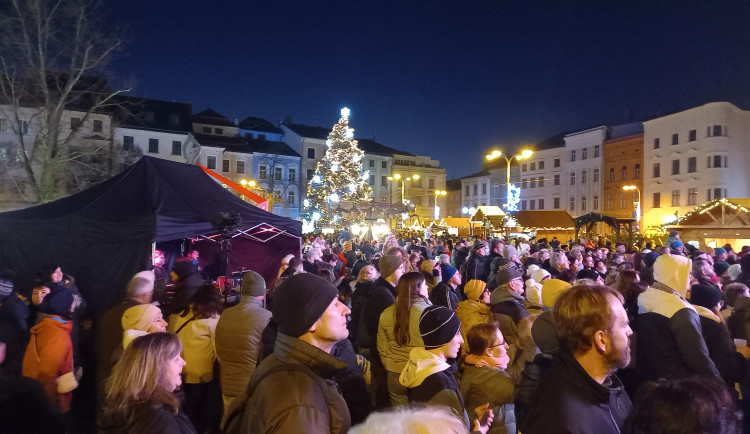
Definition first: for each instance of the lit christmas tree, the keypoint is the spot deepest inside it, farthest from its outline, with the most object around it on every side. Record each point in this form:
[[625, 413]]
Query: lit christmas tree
[[339, 183]]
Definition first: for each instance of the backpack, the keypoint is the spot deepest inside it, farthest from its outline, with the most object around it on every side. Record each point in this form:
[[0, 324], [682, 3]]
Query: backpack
[[237, 422]]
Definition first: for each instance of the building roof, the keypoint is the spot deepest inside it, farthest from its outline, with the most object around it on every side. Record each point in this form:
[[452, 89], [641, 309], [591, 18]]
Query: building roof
[[270, 147], [554, 219], [484, 172], [624, 130], [259, 124], [153, 115], [309, 131], [231, 143], [373, 147], [556, 141], [210, 117], [453, 184]]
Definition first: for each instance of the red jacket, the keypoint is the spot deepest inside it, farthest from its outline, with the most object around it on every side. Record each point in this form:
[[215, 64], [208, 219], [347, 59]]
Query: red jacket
[[50, 355]]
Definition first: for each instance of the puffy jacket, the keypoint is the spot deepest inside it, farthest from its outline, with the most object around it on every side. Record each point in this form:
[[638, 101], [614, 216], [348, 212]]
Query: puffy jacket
[[476, 268], [471, 313], [568, 400], [484, 385], [670, 343], [292, 401], [198, 346], [394, 356], [50, 355], [238, 343]]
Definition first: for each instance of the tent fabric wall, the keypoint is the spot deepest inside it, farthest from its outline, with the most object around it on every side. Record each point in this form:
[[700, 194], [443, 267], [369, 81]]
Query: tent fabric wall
[[102, 236]]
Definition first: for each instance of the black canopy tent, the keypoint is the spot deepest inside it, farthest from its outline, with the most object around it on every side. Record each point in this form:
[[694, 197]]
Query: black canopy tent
[[102, 236]]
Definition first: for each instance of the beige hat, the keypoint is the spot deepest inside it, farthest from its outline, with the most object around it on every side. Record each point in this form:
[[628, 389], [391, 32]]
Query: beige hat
[[139, 317]]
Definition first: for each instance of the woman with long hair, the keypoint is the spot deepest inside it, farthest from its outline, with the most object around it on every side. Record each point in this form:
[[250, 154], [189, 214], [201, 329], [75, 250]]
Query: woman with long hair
[[141, 391], [398, 331], [627, 283]]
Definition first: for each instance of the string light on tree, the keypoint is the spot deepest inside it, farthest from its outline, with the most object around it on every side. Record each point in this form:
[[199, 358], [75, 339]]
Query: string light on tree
[[339, 177]]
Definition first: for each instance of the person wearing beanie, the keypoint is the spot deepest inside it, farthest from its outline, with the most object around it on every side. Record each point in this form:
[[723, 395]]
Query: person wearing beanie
[[477, 266], [590, 275], [187, 280], [537, 277], [674, 346], [432, 273], [428, 375], [310, 320], [507, 303], [721, 269], [733, 272], [720, 254], [447, 292], [49, 354], [141, 320], [510, 253], [238, 337], [474, 310]]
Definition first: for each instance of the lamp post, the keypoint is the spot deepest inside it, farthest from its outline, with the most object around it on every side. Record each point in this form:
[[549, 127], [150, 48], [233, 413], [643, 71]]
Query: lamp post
[[636, 203], [435, 209], [523, 155], [400, 178]]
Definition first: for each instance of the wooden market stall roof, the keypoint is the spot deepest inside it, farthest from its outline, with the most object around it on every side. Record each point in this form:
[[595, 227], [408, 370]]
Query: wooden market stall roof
[[486, 212], [456, 222], [719, 213], [537, 220]]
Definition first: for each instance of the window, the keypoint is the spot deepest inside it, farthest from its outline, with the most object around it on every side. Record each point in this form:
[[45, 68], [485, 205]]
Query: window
[[177, 147], [572, 204], [218, 131], [656, 143], [572, 178], [75, 123], [557, 162], [484, 188], [692, 196], [541, 203], [372, 180], [277, 196], [310, 174], [596, 203], [675, 138], [717, 193], [583, 177], [622, 201], [541, 182], [240, 166], [98, 126], [225, 165], [211, 163], [717, 161], [311, 153], [572, 155], [596, 155], [476, 189], [290, 198], [637, 171], [523, 205], [532, 183], [431, 183], [583, 203], [657, 170], [263, 171], [557, 179], [541, 165], [153, 146], [556, 202], [127, 143], [692, 136], [174, 120], [430, 200], [675, 197], [715, 130], [417, 183], [623, 173], [383, 164], [384, 181], [467, 190], [277, 173], [372, 163], [596, 175], [675, 167], [523, 167], [657, 200], [584, 153], [293, 175], [532, 166], [532, 205], [524, 183], [207, 130], [3, 124], [610, 201], [611, 174], [692, 164]]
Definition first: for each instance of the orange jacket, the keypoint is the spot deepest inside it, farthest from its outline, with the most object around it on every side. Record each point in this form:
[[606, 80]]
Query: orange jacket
[[50, 355]]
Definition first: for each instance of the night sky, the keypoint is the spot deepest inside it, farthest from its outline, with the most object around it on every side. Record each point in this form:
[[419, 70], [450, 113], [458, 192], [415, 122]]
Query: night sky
[[448, 79]]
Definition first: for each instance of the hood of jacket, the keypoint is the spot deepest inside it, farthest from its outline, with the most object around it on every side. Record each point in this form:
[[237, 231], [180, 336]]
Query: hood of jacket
[[470, 307], [707, 313], [673, 271], [421, 365], [503, 293], [50, 322], [129, 336], [292, 350]]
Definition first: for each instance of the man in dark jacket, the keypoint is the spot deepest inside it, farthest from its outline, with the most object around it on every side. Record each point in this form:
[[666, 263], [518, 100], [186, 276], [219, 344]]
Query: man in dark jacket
[[581, 393], [476, 266], [306, 398], [446, 293], [506, 303]]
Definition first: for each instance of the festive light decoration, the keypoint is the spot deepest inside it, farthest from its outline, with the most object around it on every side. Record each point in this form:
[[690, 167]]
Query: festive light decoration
[[702, 209], [514, 197], [339, 179]]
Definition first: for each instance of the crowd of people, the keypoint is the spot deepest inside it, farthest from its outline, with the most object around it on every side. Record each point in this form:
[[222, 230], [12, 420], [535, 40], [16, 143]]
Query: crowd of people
[[441, 335]]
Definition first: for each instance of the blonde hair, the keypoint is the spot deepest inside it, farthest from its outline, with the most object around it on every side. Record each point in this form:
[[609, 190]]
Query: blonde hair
[[361, 276], [427, 420], [140, 375]]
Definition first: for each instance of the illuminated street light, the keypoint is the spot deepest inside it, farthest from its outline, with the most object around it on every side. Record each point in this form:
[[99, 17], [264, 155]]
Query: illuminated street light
[[436, 209], [636, 203], [399, 178], [513, 196]]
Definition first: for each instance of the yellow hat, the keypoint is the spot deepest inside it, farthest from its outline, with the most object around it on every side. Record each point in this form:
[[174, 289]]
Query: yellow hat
[[474, 289], [551, 290]]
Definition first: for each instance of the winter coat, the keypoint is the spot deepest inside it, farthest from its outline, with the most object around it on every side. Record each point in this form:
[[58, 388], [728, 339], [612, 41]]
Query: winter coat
[[238, 343], [394, 356], [484, 385], [50, 355], [445, 295], [731, 365], [508, 309], [109, 337], [14, 332], [670, 343], [198, 346], [382, 296], [568, 400], [476, 268], [147, 418], [471, 313], [26, 408], [430, 381], [292, 401], [739, 321]]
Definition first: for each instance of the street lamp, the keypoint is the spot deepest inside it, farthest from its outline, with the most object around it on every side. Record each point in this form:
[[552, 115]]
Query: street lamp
[[637, 204], [436, 209], [510, 201], [399, 178]]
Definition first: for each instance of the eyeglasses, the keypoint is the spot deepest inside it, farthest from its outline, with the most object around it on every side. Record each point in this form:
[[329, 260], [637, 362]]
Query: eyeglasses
[[499, 345]]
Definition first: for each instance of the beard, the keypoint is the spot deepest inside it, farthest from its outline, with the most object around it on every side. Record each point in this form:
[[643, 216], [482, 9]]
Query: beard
[[617, 358]]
